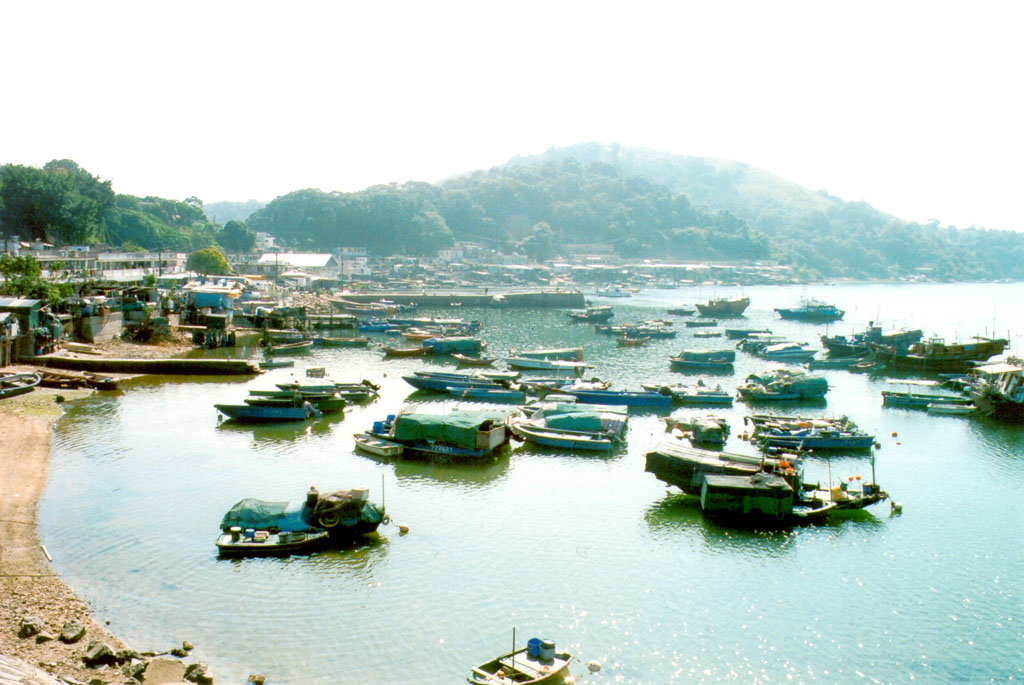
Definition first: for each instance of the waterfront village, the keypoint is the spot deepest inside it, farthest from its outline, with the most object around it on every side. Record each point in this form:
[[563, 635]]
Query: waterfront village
[[138, 313]]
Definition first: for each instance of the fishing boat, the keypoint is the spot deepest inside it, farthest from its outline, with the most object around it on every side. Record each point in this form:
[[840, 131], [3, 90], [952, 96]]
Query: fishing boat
[[614, 290], [782, 384], [571, 426], [696, 394], [459, 435], [592, 314], [18, 384], [761, 497], [700, 430], [537, 663], [859, 344], [466, 360], [999, 390], [325, 403], [486, 394], [724, 307], [642, 398], [813, 435], [701, 323], [378, 446], [685, 467], [938, 356], [276, 363], [703, 360], [834, 362], [246, 413], [289, 348], [951, 409], [530, 364], [914, 398], [811, 311], [741, 333], [447, 382], [626, 341], [344, 342], [396, 352], [682, 310], [251, 542], [563, 353], [707, 334], [453, 344]]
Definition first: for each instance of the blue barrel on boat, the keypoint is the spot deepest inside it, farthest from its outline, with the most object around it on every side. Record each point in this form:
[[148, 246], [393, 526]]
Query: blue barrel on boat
[[391, 418], [378, 427], [533, 647]]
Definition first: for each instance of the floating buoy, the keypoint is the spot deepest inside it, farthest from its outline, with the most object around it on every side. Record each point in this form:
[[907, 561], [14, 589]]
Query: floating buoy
[[894, 434], [593, 667], [402, 530]]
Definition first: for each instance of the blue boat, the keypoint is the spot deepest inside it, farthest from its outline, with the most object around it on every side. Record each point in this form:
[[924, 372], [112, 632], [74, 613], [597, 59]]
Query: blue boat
[[486, 394], [442, 384], [571, 426], [641, 398], [812, 311], [245, 413], [460, 344]]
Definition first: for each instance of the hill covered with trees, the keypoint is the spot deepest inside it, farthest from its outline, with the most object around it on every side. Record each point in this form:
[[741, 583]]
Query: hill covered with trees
[[639, 203]]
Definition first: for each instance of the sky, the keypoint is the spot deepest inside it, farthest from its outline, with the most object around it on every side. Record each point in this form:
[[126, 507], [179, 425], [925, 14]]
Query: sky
[[913, 107]]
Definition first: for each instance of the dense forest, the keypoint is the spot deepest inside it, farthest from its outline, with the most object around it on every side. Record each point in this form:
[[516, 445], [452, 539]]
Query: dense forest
[[639, 203]]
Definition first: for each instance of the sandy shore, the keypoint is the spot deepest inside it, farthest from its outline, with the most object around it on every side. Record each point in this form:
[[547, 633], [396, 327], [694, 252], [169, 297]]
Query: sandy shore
[[28, 585]]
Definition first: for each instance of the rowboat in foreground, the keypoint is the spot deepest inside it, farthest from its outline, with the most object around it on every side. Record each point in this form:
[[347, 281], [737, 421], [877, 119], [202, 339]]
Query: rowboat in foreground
[[251, 542], [378, 446], [289, 348], [536, 663], [18, 384], [245, 413], [466, 360]]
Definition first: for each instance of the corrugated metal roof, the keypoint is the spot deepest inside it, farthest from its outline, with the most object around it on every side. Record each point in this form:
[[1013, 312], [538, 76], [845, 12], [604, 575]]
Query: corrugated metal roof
[[19, 303], [295, 259], [1001, 367]]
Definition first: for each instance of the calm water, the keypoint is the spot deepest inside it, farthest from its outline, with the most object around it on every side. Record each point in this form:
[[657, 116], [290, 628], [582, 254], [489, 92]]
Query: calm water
[[590, 551]]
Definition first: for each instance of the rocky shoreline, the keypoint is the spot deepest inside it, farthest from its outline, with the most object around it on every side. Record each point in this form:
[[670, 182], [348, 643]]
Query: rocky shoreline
[[44, 626]]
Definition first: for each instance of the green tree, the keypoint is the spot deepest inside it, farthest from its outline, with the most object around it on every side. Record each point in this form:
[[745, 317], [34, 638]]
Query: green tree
[[60, 202], [236, 237], [22, 278], [209, 260]]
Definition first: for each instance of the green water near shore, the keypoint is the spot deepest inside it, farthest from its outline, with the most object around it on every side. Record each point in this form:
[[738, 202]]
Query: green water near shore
[[590, 551]]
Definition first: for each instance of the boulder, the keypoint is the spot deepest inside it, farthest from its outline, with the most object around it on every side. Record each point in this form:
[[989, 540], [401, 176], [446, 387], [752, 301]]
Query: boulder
[[198, 673], [72, 632], [256, 679], [161, 671], [45, 636], [135, 671], [99, 653], [29, 626]]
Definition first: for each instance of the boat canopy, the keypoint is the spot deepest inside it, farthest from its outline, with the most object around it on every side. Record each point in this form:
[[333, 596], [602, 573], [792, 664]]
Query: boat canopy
[[257, 513], [457, 428], [1001, 367]]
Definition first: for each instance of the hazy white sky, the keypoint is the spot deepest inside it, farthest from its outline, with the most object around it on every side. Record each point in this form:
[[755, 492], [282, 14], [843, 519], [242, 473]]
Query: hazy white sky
[[914, 107]]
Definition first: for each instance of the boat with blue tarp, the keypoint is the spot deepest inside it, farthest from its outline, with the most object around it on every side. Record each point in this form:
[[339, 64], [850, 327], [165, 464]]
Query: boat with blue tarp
[[564, 425], [811, 310], [459, 435]]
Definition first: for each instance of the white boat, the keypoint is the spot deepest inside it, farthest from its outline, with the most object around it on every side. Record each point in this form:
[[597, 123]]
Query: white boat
[[378, 446], [951, 409], [546, 364]]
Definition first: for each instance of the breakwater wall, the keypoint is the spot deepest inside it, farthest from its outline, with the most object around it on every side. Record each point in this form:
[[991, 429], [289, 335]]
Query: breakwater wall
[[165, 367], [489, 298]]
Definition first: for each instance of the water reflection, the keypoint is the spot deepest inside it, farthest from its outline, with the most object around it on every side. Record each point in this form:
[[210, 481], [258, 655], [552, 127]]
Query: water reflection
[[477, 473], [284, 432], [357, 557]]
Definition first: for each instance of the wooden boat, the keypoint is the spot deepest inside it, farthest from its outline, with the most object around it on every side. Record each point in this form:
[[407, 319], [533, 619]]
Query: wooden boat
[[251, 542], [18, 384], [523, 668], [938, 356], [724, 307], [626, 341], [691, 395], [245, 413], [700, 323], [740, 333], [564, 353], [378, 446], [761, 496], [592, 314], [682, 310], [458, 435], [562, 438], [396, 352], [999, 390], [289, 348], [951, 409], [685, 467], [487, 394], [707, 334], [323, 403], [701, 430], [791, 352], [63, 380], [859, 344], [782, 384], [547, 364], [641, 398], [703, 360], [466, 360], [345, 342], [909, 399], [276, 363]]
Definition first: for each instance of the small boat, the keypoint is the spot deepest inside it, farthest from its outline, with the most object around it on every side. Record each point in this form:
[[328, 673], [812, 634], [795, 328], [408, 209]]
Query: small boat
[[951, 409], [682, 310], [812, 311], [563, 353], [692, 395], [909, 399], [451, 345], [703, 360], [562, 438], [345, 342], [701, 430], [761, 497], [537, 663], [458, 435], [782, 384], [592, 314], [642, 398], [740, 333], [701, 323], [547, 364], [378, 446], [707, 334], [999, 390], [487, 394], [18, 384], [571, 426], [245, 413], [614, 290], [327, 403], [791, 352], [466, 360], [396, 352], [276, 363], [625, 341], [51, 378], [724, 307], [252, 542], [289, 348]]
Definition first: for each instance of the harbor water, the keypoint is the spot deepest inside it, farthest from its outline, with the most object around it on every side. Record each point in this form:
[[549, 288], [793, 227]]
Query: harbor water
[[589, 551]]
